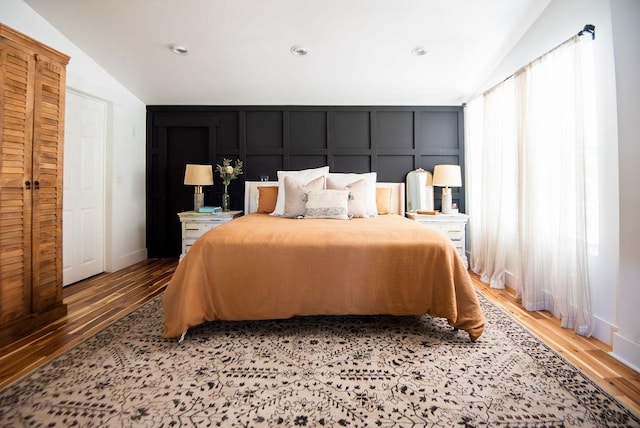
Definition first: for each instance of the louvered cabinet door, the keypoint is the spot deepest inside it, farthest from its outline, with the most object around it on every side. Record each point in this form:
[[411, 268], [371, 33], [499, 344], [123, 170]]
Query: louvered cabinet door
[[32, 85], [16, 101], [48, 133]]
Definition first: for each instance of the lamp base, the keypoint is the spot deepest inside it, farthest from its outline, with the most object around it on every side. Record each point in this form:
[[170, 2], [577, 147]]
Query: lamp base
[[198, 201], [446, 201]]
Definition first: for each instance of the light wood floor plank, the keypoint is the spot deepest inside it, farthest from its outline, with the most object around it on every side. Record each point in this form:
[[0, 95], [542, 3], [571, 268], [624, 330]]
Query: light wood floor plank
[[97, 302]]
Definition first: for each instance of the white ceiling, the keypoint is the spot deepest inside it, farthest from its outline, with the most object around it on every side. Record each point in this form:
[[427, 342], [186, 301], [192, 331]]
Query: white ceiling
[[360, 50]]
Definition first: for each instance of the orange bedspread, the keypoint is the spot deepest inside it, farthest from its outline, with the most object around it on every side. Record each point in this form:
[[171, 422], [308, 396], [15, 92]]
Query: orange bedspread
[[265, 267]]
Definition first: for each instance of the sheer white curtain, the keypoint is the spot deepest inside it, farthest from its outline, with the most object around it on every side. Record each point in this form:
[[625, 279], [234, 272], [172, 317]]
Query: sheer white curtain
[[532, 146], [491, 150], [554, 98]]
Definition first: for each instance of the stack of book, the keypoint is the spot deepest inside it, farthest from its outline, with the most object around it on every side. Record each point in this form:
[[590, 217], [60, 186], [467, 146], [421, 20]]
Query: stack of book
[[206, 209]]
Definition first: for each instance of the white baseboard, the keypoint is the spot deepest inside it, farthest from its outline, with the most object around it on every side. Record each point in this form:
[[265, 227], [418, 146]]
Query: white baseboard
[[626, 351], [603, 330], [127, 260]]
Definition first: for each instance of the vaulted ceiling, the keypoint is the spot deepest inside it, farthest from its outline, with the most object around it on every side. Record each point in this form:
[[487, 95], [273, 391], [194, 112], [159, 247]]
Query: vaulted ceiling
[[360, 51]]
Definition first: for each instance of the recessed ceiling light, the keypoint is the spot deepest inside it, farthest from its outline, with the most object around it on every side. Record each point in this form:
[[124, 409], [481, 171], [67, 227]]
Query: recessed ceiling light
[[178, 49], [419, 51], [299, 50]]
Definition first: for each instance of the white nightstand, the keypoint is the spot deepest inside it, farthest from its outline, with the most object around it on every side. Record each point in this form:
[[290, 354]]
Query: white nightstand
[[195, 224], [452, 225]]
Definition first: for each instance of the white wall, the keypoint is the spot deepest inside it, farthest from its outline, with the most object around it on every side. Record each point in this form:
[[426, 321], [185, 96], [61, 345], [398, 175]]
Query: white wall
[[125, 157], [561, 20], [625, 16]]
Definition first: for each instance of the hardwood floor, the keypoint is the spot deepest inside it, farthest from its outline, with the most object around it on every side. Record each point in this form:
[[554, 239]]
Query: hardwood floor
[[92, 305], [97, 302]]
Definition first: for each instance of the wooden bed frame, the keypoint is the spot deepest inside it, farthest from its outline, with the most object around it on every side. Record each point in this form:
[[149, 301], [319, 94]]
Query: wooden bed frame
[[251, 195]]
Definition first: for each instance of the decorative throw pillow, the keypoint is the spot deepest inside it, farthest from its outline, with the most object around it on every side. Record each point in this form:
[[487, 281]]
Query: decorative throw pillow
[[370, 179], [294, 202], [267, 196], [383, 200], [357, 202], [303, 176], [329, 203]]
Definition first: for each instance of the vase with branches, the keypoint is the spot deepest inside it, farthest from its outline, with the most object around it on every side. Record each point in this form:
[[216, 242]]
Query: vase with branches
[[228, 173]]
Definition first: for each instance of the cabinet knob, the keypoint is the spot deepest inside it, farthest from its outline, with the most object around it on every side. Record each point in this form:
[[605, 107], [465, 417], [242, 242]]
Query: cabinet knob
[[27, 185], [36, 184]]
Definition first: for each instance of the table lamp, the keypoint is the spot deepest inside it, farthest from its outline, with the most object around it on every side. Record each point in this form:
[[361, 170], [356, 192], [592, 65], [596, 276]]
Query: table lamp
[[447, 176], [198, 176]]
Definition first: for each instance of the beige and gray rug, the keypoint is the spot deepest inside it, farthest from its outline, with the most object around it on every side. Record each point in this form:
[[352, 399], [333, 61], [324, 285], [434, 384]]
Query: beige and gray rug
[[316, 371]]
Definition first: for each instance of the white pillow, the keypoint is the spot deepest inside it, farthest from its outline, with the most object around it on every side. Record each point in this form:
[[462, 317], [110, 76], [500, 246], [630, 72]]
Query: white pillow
[[370, 179], [303, 176]]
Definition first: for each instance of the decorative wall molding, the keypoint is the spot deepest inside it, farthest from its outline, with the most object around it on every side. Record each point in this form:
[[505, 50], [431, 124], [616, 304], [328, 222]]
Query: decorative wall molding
[[391, 140]]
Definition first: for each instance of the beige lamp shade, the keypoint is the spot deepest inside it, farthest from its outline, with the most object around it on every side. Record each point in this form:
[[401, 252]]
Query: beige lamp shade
[[198, 175], [447, 176]]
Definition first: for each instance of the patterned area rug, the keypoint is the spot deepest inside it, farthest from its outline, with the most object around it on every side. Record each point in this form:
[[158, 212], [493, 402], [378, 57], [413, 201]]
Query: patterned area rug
[[316, 371]]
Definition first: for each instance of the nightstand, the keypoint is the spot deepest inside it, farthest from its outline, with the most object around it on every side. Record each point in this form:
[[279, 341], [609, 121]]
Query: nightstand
[[195, 224], [452, 225]]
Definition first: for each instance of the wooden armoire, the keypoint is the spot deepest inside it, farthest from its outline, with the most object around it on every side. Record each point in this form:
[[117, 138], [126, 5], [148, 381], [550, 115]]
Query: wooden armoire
[[32, 92]]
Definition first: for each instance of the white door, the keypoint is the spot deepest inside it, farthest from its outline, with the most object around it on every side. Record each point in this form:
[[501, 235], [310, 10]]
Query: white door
[[83, 197]]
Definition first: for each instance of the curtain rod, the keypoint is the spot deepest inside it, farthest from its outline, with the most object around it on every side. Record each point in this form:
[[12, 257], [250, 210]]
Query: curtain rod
[[589, 28]]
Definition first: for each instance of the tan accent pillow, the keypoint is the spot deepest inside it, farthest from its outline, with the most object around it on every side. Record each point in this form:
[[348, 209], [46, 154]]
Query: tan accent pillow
[[267, 196], [330, 203], [383, 200], [357, 200], [294, 191]]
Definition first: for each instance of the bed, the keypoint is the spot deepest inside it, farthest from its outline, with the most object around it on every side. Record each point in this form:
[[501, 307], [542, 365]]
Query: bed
[[260, 267]]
